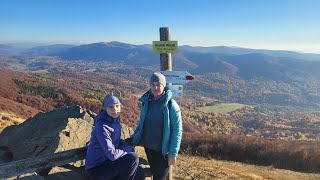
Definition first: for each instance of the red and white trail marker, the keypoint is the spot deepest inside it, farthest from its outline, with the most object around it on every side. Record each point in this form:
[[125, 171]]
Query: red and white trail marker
[[178, 77]]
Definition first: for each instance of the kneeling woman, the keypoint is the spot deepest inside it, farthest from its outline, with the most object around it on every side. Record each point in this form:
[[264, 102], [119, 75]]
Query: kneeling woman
[[108, 156]]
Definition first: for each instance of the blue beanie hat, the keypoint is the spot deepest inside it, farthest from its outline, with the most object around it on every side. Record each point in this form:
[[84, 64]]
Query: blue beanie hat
[[158, 77], [109, 100]]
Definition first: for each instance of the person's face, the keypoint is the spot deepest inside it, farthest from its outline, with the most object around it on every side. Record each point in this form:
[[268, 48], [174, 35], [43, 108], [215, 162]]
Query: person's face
[[114, 110], [156, 88]]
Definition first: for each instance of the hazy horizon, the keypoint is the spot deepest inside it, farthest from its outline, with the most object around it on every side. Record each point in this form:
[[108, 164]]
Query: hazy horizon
[[290, 25], [38, 44]]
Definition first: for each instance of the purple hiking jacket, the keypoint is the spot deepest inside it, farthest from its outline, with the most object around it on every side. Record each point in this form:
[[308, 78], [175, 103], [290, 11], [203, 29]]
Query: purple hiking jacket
[[105, 143]]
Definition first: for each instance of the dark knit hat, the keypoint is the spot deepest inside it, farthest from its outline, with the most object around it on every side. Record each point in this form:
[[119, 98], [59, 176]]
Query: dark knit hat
[[158, 77], [109, 100]]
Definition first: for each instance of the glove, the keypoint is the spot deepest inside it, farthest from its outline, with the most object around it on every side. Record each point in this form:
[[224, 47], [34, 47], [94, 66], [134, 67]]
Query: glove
[[128, 149]]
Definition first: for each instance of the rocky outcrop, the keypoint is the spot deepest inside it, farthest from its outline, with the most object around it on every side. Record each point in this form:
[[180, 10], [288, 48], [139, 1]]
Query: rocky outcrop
[[46, 133]]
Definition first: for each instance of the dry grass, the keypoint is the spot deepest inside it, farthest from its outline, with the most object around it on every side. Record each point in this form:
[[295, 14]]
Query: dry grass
[[193, 167], [8, 119]]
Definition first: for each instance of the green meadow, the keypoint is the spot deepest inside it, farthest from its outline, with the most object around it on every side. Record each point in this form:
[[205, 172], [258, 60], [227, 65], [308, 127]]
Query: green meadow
[[222, 108]]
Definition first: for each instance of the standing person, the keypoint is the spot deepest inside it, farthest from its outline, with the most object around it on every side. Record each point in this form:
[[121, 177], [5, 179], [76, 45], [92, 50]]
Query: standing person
[[108, 156], [160, 127]]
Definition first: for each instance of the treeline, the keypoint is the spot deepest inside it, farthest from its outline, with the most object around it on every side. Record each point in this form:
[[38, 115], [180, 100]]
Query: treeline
[[294, 155], [290, 92], [44, 91], [260, 121]]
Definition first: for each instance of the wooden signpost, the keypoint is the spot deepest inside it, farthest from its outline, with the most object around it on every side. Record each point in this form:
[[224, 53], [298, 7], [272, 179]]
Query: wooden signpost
[[165, 58], [165, 47], [166, 63]]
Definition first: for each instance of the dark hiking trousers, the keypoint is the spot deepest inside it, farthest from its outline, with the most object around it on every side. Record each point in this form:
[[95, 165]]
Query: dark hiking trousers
[[124, 168], [158, 164]]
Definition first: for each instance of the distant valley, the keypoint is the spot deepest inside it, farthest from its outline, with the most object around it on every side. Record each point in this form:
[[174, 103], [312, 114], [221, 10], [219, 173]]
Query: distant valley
[[224, 73]]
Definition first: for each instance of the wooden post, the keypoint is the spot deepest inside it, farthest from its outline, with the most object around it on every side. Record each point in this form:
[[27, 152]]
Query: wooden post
[[165, 58], [166, 65]]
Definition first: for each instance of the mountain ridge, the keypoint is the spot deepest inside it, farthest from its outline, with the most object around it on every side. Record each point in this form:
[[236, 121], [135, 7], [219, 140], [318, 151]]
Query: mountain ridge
[[200, 49]]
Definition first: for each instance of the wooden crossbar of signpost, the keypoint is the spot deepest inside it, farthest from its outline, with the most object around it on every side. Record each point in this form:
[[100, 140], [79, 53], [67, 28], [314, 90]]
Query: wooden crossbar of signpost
[[36, 164]]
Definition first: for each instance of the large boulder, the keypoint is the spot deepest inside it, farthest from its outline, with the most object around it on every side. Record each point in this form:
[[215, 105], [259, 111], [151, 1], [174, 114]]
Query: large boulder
[[46, 133]]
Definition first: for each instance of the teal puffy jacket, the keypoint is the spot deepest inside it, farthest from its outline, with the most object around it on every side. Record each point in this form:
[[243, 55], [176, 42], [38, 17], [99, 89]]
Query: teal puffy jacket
[[172, 130]]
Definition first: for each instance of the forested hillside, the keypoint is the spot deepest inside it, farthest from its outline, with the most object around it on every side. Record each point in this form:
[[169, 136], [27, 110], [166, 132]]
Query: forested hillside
[[57, 82]]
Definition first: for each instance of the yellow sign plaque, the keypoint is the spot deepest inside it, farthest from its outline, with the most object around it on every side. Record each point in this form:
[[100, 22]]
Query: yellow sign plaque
[[164, 47]]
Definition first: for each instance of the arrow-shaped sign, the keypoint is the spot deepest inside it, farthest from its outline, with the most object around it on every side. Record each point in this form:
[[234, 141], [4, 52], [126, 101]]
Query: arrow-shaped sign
[[178, 77]]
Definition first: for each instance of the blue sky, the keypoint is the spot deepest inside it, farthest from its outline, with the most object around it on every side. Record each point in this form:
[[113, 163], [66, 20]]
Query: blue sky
[[261, 24]]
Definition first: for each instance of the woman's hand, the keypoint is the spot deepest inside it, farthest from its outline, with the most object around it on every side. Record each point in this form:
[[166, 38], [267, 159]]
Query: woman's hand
[[172, 160]]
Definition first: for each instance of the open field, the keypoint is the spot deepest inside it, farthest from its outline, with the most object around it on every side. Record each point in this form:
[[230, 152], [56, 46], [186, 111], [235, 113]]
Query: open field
[[222, 108]]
